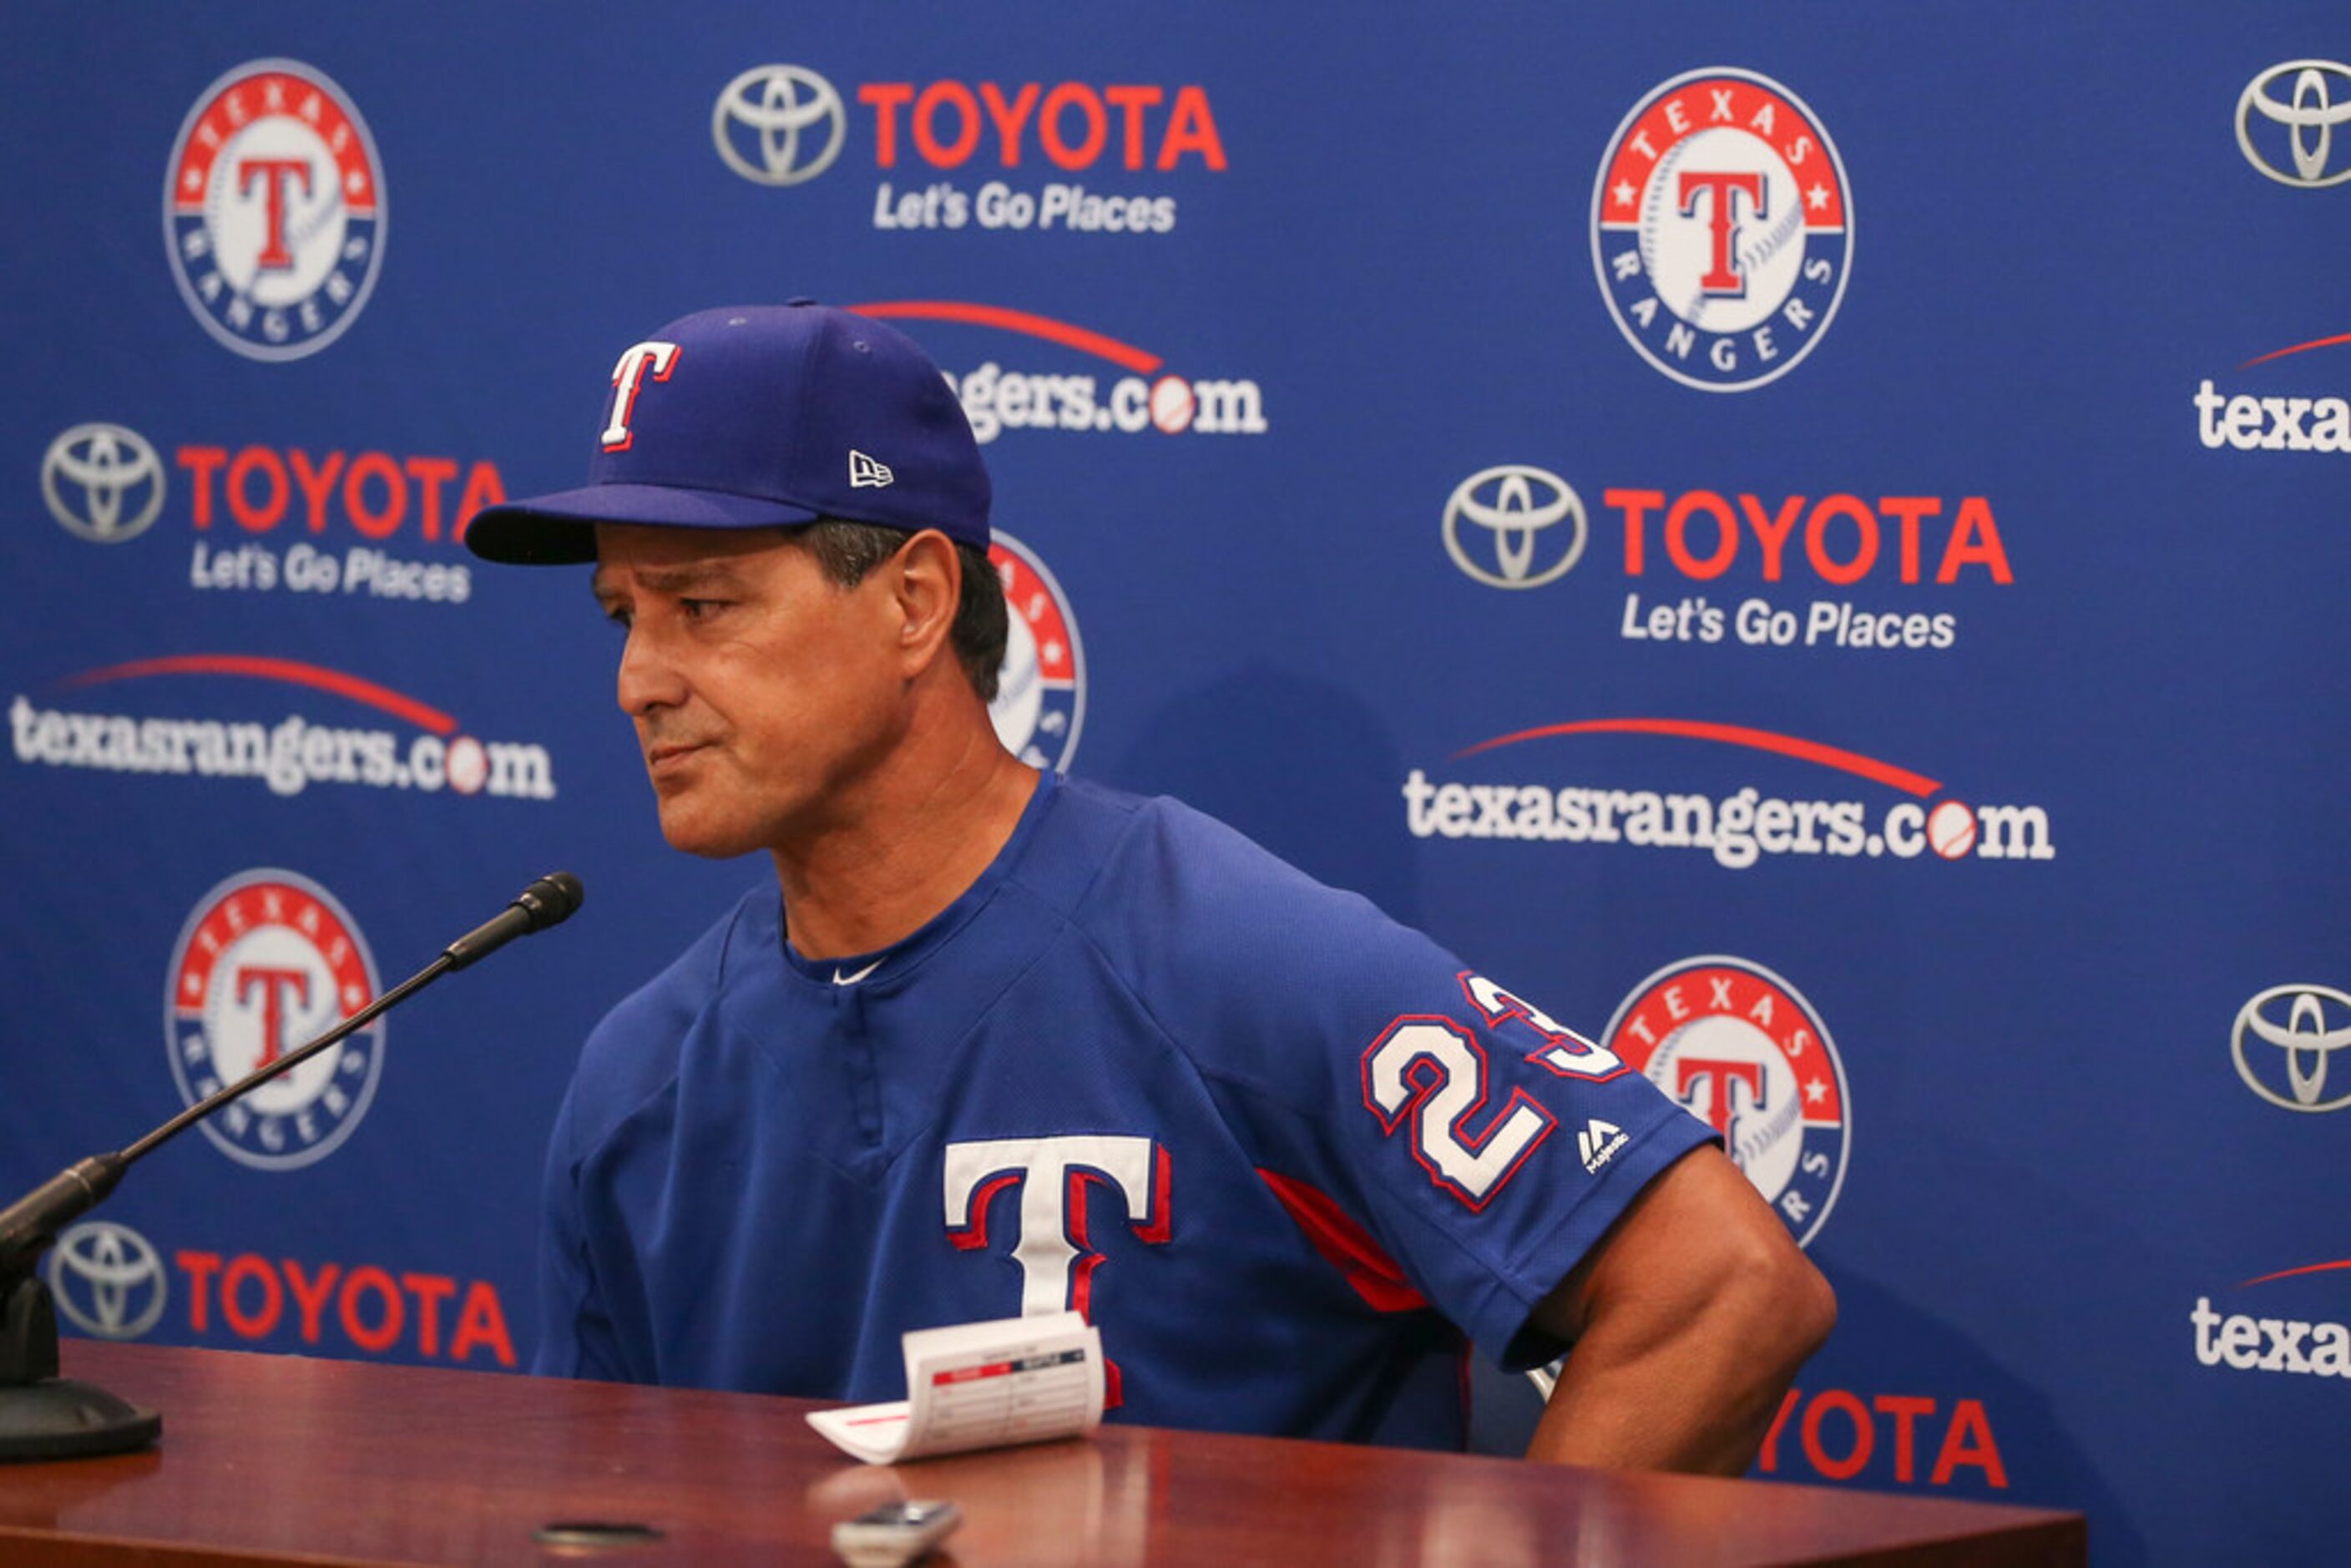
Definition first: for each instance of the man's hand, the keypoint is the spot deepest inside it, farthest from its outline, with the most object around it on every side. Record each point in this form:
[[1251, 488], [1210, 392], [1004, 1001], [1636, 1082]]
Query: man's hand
[[1687, 1322]]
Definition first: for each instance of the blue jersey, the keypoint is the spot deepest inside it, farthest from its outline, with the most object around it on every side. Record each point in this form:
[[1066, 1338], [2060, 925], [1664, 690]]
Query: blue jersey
[[1281, 1150]]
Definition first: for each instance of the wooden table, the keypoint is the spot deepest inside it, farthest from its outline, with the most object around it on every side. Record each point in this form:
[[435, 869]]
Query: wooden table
[[285, 1460]]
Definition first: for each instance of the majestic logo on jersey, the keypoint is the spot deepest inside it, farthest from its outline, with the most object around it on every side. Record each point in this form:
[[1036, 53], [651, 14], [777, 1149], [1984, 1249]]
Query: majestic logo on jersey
[[1040, 693], [273, 213], [1516, 507], [1741, 1050], [2306, 1025], [1055, 1251], [266, 961], [1598, 1144], [1721, 229], [108, 1280], [102, 482], [2299, 97]]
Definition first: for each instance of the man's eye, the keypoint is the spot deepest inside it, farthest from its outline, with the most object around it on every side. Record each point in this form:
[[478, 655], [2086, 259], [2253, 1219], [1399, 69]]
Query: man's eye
[[701, 609], [618, 617]]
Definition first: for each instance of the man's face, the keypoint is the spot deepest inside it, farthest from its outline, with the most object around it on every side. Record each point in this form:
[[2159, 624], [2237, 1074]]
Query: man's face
[[761, 691]]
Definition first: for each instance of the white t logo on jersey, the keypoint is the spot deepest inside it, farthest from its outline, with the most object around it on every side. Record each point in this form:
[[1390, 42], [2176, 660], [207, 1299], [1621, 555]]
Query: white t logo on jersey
[[1056, 1260], [628, 376]]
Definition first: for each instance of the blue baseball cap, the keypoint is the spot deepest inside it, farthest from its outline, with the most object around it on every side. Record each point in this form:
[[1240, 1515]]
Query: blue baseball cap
[[761, 416]]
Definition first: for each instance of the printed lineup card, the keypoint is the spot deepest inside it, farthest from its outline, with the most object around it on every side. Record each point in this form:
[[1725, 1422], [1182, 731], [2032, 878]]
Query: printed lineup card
[[980, 1385]]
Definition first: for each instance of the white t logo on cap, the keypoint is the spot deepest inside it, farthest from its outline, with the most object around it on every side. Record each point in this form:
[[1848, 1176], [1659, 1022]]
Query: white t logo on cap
[[627, 377]]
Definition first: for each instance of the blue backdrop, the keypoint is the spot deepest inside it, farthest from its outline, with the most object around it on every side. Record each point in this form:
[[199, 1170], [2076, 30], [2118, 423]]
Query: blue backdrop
[[1809, 541]]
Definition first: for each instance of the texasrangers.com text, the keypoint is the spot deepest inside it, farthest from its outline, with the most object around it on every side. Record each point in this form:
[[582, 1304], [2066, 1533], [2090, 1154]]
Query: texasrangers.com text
[[996, 400], [288, 755], [1738, 829]]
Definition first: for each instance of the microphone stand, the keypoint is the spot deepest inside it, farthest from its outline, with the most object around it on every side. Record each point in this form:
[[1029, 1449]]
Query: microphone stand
[[46, 1416]]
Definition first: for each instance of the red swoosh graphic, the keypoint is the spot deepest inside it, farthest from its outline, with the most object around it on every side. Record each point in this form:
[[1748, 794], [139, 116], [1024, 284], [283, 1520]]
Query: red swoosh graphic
[[286, 670], [2297, 348], [1141, 361], [1729, 735], [2290, 1273]]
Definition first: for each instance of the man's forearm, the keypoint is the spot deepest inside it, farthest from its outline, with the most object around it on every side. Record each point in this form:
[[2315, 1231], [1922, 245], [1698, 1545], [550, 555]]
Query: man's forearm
[[1689, 1322], [1700, 1399]]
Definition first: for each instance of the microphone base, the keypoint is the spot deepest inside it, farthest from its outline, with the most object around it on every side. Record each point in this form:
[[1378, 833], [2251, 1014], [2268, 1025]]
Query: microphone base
[[61, 1419], [43, 1415]]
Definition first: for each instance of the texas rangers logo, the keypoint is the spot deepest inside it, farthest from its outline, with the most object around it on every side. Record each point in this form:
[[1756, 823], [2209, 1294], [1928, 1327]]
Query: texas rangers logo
[[274, 210], [1739, 1048], [1721, 229], [266, 961], [1041, 695]]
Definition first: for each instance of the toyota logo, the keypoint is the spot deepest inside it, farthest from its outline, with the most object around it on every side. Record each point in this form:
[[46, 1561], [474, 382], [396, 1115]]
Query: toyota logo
[[107, 1281], [102, 482], [2308, 106], [1517, 507], [2316, 1023], [767, 109]]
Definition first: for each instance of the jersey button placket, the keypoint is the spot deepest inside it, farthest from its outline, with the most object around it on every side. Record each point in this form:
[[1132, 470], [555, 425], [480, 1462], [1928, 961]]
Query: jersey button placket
[[856, 1044]]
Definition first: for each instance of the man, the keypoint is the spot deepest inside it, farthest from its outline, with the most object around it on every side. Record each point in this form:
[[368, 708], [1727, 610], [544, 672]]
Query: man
[[994, 1041]]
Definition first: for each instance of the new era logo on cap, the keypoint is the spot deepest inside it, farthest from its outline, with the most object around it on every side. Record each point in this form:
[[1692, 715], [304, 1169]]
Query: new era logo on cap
[[737, 418]]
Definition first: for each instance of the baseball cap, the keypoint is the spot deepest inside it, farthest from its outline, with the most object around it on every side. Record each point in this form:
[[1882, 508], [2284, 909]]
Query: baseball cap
[[758, 416]]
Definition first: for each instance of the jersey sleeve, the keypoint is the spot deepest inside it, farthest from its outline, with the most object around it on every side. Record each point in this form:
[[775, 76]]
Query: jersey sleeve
[[1490, 1145], [591, 1322], [1481, 1144], [575, 1335]]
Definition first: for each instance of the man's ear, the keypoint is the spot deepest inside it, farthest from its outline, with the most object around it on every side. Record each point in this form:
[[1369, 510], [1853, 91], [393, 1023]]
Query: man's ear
[[925, 586]]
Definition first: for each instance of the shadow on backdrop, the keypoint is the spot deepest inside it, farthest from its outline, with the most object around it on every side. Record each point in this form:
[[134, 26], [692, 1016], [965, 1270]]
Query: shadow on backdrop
[[1301, 767]]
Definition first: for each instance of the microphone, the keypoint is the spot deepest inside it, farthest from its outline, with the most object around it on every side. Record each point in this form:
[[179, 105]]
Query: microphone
[[44, 1416], [548, 902]]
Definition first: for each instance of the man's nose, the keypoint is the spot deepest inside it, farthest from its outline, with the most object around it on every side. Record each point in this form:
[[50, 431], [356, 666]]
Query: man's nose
[[648, 679]]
